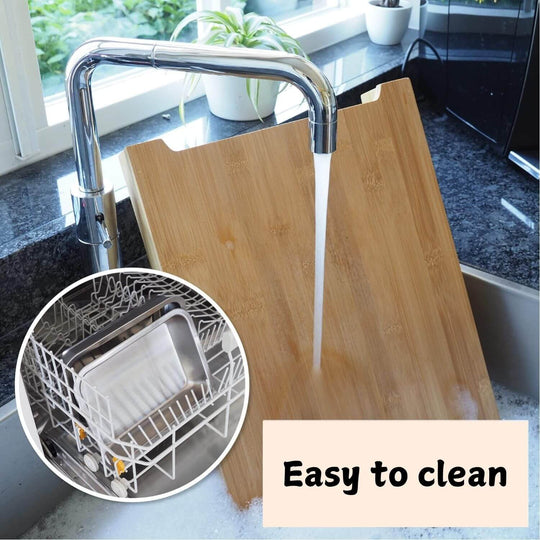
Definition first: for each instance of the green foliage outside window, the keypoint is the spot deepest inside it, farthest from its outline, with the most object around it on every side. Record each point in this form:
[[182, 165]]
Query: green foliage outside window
[[60, 26]]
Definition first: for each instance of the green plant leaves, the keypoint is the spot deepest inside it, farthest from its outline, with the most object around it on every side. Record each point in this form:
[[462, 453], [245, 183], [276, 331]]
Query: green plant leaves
[[60, 26], [253, 89], [56, 58], [233, 28]]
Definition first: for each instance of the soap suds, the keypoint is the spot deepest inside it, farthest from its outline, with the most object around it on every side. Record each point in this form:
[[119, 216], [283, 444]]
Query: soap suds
[[464, 403]]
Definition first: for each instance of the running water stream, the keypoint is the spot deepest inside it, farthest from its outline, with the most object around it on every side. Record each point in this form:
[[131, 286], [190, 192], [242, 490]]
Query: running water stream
[[322, 183]]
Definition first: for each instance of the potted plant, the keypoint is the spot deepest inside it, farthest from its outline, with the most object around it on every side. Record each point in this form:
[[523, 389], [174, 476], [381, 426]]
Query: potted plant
[[387, 20], [236, 98]]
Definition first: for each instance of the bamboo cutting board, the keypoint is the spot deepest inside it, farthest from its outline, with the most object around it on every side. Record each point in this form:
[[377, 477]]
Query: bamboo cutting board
[[236, 218]]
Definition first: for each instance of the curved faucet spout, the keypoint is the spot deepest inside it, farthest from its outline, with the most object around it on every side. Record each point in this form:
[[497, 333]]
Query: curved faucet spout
[[99, 228]]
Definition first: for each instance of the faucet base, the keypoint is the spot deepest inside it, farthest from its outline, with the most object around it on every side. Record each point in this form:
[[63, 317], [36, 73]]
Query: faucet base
[[95, 219], [99, 259]]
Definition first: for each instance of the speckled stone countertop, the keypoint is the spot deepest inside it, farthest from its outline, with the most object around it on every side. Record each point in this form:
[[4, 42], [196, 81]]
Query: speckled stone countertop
[[492, 207]]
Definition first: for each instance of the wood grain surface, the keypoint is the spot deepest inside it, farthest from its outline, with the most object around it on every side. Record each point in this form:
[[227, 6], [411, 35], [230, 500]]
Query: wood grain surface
[[236, 218]]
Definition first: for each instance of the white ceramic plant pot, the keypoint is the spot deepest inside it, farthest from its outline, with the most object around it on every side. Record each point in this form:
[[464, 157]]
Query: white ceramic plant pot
[[228, 97], [385, 25]]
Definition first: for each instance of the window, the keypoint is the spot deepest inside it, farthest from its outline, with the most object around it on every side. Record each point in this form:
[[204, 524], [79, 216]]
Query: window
[[60, 26], [37, 37], [281, 10]]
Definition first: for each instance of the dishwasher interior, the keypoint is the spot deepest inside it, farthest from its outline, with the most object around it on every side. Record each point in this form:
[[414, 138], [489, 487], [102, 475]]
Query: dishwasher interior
[[136, 384]]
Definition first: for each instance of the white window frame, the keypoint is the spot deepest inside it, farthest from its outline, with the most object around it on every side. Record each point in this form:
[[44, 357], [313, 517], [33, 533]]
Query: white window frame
[[40, 128]]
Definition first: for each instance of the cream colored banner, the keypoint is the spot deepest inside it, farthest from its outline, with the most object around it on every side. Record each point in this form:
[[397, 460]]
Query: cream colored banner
[[389, 473]]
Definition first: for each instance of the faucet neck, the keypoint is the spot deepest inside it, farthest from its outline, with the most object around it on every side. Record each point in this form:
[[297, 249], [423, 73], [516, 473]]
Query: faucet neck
[[243, 62]]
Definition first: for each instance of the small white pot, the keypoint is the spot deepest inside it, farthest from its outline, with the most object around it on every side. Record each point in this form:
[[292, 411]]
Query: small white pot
[[228, 97], [387, 26]]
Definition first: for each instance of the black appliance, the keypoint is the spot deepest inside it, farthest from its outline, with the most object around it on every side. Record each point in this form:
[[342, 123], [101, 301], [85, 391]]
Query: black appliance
[[489, 72]]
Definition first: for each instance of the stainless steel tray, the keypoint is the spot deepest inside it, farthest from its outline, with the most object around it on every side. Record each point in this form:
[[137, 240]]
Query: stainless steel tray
[[141, 374], [114, 333]]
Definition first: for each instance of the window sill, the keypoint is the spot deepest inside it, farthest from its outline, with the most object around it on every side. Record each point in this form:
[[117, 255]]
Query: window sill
[[119, 101], [326, 27]]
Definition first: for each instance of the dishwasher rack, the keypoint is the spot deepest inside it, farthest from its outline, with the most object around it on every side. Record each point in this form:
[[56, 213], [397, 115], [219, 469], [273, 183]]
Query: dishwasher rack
[[124, 458]]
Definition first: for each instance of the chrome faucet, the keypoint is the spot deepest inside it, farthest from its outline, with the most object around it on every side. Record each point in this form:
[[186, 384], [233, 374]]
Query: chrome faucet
[[93, 202]]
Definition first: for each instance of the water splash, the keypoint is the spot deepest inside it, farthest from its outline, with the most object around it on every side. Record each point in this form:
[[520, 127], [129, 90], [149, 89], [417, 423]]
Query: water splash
[[322, 183]]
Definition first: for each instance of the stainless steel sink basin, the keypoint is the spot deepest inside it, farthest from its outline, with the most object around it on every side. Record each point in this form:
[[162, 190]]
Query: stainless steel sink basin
[[507, 320]]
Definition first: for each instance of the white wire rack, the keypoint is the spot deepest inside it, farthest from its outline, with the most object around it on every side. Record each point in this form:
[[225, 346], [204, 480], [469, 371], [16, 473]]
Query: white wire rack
[[153, 441]]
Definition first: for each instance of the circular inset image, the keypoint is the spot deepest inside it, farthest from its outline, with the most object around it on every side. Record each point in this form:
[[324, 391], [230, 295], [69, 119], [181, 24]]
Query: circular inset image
[[132, 385]]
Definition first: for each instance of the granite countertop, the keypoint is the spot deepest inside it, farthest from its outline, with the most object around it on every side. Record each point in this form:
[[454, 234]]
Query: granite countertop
[[491, 206]]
